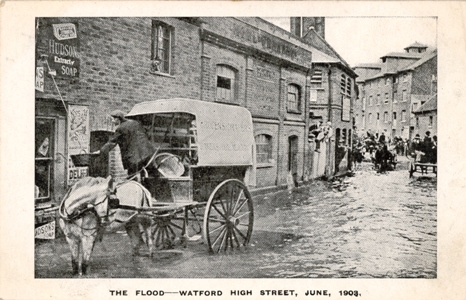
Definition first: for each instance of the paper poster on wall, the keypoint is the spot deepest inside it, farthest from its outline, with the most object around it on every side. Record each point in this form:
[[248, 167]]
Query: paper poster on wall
[[78, 140]]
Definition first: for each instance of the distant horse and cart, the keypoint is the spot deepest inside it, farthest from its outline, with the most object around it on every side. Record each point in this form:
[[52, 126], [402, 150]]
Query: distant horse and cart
[[195, 184]]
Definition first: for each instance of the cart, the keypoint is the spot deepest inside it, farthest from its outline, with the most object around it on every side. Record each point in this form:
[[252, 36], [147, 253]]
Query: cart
[[199, 175]]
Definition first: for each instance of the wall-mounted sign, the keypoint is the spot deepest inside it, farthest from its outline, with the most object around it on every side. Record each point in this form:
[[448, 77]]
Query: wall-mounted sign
[[40, 79], [59, 44], [346, 109], [79, 136]]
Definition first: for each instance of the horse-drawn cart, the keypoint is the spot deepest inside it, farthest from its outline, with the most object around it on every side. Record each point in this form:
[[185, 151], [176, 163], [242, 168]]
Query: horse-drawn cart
[[197, 179]]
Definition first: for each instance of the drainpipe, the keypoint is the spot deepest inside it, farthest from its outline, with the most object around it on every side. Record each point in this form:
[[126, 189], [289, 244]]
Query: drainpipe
[[328, 168]]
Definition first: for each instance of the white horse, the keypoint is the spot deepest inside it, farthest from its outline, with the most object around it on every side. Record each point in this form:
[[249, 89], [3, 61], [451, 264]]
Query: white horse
[[92, 200]]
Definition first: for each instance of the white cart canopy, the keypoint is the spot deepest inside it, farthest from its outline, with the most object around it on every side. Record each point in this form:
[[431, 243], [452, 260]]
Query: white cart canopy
[[224, 132]]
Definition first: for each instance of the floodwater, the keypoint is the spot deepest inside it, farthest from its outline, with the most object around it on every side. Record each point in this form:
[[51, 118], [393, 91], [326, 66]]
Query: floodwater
[[368, 226]]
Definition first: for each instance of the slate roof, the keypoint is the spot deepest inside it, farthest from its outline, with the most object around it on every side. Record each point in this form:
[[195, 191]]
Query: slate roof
[[427, 57], [430, 105]]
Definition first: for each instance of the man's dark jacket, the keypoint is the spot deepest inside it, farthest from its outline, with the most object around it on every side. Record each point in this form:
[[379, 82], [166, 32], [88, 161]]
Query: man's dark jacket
[[135, 147]]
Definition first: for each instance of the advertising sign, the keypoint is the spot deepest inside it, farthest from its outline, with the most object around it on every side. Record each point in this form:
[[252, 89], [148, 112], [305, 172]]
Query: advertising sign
[[78, 140], [40, 79], [46, 231], [58, 43]]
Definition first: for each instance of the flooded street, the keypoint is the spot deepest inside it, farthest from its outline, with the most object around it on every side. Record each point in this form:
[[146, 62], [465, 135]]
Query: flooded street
[[368, 226]]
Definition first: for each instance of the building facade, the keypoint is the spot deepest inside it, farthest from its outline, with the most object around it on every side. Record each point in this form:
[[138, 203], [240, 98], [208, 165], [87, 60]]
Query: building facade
[[332, 94], [390, 91], [86, 67]]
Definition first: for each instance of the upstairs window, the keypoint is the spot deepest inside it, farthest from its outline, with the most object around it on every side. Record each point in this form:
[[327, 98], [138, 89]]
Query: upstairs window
[[404, 96], [263, 148], [385, 117], [386, 97], [226, 84], [345, 85], [161, 47], [403, 116], [316, 79], [370, 101], [294, 98]]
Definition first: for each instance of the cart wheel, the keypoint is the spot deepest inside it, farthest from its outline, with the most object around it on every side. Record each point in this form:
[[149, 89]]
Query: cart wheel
[[176, 229], [228, 217]]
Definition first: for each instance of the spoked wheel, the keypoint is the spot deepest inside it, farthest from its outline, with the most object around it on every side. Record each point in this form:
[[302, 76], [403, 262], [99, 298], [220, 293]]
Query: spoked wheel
[[172, 229], [228, 217]]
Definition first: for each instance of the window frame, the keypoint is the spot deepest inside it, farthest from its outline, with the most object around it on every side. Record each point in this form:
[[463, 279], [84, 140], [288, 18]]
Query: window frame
[[221, 72], [268, 146], [161, 65], [298, 97]]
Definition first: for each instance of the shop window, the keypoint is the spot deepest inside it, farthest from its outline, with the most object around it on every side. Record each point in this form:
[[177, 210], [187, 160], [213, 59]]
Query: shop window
[[44, 140], [263, 148], [161, 47], [294, 98], [226, 84]]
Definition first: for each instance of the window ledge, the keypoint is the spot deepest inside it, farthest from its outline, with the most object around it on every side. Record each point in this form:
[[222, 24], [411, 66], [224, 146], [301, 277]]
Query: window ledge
[[161, 74], [292, 111], [265, 165]]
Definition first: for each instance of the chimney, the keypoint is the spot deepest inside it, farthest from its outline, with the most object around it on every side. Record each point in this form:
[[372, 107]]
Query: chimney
[[301, 25]]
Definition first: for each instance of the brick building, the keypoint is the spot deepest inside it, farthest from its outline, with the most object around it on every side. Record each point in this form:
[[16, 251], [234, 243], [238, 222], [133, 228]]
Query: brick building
[[390, 91], [86, 67], [332, 93]]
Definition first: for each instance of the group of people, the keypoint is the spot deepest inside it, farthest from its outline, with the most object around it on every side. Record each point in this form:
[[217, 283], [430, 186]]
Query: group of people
[[321, 133], [424, 151], [378, 148]]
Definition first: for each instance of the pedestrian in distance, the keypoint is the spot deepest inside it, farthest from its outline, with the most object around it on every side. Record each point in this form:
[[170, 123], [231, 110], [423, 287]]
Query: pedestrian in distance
[[136, 148]]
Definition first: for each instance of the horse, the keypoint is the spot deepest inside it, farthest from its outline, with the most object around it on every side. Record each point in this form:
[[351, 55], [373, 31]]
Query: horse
[[92, 206]]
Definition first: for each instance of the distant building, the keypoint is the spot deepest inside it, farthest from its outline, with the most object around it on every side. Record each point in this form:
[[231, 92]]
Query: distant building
[[425, 117], [392, 90]]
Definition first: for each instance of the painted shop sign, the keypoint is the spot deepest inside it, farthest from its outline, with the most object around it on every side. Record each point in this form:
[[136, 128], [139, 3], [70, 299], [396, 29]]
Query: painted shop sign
[[79, 136], [58, 43]]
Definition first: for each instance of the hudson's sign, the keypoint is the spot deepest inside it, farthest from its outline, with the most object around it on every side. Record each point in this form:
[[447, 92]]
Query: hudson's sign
[[58, 43]]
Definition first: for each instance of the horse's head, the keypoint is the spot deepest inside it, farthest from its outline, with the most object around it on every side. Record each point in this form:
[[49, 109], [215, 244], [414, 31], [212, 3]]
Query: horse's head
[[87, 192]]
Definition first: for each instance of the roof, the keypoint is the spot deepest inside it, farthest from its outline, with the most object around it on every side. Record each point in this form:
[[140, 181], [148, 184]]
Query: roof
[[428, 56], [403, 55], [430, 105], [416, 45], [369, 66], [320, 57]]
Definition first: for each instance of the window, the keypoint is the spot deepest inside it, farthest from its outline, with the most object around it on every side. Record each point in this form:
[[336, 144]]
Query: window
[[378, 116], [364, 103], [294, 98], [405, 77], [404, 96], [385, 117], [431, 121], [370, 100], [386, 97], [394, 115], [226, 84], [44, 152], [387, 81], [370, 118], [415, 106], [263, 148], [345, 85], [395, 79], [378, 99], [316, 79], [395, 95], [417, 121], [403, 116], [161, 47]]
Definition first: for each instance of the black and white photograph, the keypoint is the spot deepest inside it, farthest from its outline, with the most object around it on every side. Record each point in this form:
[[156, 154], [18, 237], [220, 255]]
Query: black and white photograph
[[288, 152]]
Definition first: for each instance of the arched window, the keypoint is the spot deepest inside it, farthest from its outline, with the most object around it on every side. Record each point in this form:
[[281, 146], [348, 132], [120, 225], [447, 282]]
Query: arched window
[[263, 148], [294, 98], [226, 84]]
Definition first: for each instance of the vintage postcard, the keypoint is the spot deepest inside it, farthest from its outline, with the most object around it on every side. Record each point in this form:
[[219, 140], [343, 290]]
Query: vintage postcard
[[253, 150]]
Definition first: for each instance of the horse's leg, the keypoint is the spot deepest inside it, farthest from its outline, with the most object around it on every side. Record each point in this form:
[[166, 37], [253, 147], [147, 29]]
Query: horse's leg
[[146, 225], [87, 246], [134, 234], [74, 247]]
